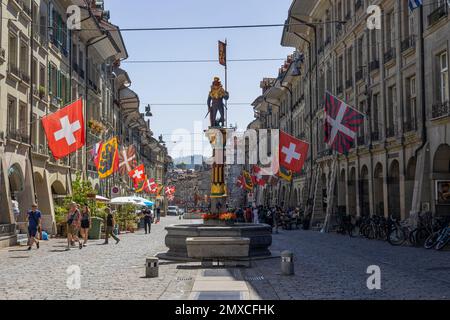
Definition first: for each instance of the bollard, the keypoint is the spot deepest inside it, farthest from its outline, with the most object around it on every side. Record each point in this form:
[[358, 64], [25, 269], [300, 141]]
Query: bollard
[[152, 267], [287, 263]]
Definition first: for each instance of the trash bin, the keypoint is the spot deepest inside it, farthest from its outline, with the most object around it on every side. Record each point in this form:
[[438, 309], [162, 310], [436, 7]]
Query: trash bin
[[95, 232], [152, 267], [287, 263]]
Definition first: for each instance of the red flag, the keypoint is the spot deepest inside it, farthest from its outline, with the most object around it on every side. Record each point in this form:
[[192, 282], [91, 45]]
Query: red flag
[[65, 130], [341, 124], [137, 174], [258, 176], [293, 152]]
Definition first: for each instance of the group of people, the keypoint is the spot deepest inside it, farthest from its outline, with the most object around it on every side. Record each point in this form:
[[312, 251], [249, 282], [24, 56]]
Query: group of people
[[273, 216], [79, 222]]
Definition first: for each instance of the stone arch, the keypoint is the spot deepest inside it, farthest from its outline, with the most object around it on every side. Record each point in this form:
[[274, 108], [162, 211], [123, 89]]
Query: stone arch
[[410, 179], [16, 179], [441, 160], [59, 191], [364, 191], [394, 189], [352, 192], [441, 171], [378, 190]]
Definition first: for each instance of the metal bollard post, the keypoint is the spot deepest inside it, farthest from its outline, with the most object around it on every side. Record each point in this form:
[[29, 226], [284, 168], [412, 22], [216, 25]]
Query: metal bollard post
[[287, 263], [152, 267]]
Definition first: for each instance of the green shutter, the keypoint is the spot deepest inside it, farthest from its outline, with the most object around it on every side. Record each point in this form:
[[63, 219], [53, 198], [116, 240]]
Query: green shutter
[[50, 79]]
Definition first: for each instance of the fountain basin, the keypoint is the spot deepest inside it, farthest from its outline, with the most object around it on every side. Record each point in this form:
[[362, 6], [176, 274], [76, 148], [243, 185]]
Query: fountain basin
[[260, 236]]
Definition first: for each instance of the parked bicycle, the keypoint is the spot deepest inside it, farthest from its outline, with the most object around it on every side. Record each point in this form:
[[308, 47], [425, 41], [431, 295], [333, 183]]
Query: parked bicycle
[[439, 239]]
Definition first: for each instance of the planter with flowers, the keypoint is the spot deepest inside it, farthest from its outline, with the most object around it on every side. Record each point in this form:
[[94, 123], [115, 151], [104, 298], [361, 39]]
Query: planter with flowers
[[96, 127], [222, 219]]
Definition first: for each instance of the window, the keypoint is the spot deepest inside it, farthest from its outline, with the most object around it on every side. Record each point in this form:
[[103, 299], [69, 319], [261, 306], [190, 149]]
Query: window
[[443, 76], [24, 58], [34, 72], [23, 120], [12, 117], [376, 113], [392, 110], [34, 132], [411, 104], [12, 54]]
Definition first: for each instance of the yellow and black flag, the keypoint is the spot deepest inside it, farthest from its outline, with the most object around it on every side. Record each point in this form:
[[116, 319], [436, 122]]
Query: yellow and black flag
[[223, 53], [285, 174]]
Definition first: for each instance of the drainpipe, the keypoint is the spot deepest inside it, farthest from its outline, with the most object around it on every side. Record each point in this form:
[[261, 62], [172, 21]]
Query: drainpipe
[[30, 138]]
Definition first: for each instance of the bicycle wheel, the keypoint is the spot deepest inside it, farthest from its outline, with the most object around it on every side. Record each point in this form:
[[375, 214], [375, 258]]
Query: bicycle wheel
[[396, 237], [431, 241], [418, 237], [442, 242]]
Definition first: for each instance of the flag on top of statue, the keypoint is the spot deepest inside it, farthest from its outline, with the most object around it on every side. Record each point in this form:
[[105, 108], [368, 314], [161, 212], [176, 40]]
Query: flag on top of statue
[[127, 160], [65, 130], [341, 124], [293, 152], [137, 174]]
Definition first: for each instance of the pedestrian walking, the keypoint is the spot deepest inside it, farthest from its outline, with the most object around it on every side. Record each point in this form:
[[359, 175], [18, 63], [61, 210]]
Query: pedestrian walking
[[73, 226], [34, 225], [158, 215], [148, 219], [86, 223], [110, 223], [277, 218]]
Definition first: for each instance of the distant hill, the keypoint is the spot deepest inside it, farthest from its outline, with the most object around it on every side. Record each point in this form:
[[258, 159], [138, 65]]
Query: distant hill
[[189, 161]]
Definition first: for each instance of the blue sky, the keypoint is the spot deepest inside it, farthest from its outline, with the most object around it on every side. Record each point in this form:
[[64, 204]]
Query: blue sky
[[189, 83]]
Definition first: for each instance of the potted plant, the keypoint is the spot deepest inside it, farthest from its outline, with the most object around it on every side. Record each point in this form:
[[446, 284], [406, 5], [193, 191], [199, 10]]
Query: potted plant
[[228, 218], [41, 92]]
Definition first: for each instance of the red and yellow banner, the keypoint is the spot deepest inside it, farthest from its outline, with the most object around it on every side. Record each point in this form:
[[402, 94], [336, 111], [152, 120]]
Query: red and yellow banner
[[108, 159]]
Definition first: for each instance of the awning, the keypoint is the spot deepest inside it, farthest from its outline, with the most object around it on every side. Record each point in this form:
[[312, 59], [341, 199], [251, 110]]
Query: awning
[[129, 101], [116, 36], [122, 77]]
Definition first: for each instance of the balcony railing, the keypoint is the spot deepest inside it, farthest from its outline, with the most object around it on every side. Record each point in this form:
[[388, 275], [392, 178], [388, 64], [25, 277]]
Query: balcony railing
[[18, 135], [14, 70], [376, 136], [324, 153], [389, 55], [374, 65], [390, 132], [438, 14], [410, 126], [409, 42], [349, 83], [441, 109], [361, 141], [25, 77], [359, 75]]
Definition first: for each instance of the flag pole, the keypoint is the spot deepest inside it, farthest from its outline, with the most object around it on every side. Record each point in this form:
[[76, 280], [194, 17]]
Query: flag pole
[[226, 82]]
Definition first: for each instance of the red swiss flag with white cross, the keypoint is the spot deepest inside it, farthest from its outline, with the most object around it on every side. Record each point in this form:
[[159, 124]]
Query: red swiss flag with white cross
[[138, 174], [65, 130], [293, 152]]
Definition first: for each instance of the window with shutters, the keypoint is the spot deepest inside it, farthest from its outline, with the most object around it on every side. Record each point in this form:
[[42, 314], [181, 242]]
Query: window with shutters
[[443, 77]]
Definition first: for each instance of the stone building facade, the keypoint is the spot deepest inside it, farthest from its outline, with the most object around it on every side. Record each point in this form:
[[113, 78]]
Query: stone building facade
[[402, 151], [44, 65]]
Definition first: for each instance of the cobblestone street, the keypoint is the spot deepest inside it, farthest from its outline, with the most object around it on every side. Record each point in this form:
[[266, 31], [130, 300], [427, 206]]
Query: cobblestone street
[[328, 266]]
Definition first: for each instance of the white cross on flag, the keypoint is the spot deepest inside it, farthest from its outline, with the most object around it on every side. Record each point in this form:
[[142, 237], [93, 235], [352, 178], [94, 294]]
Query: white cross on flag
[[341, 124], [293, 152], [65, 130], [138, 174]]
